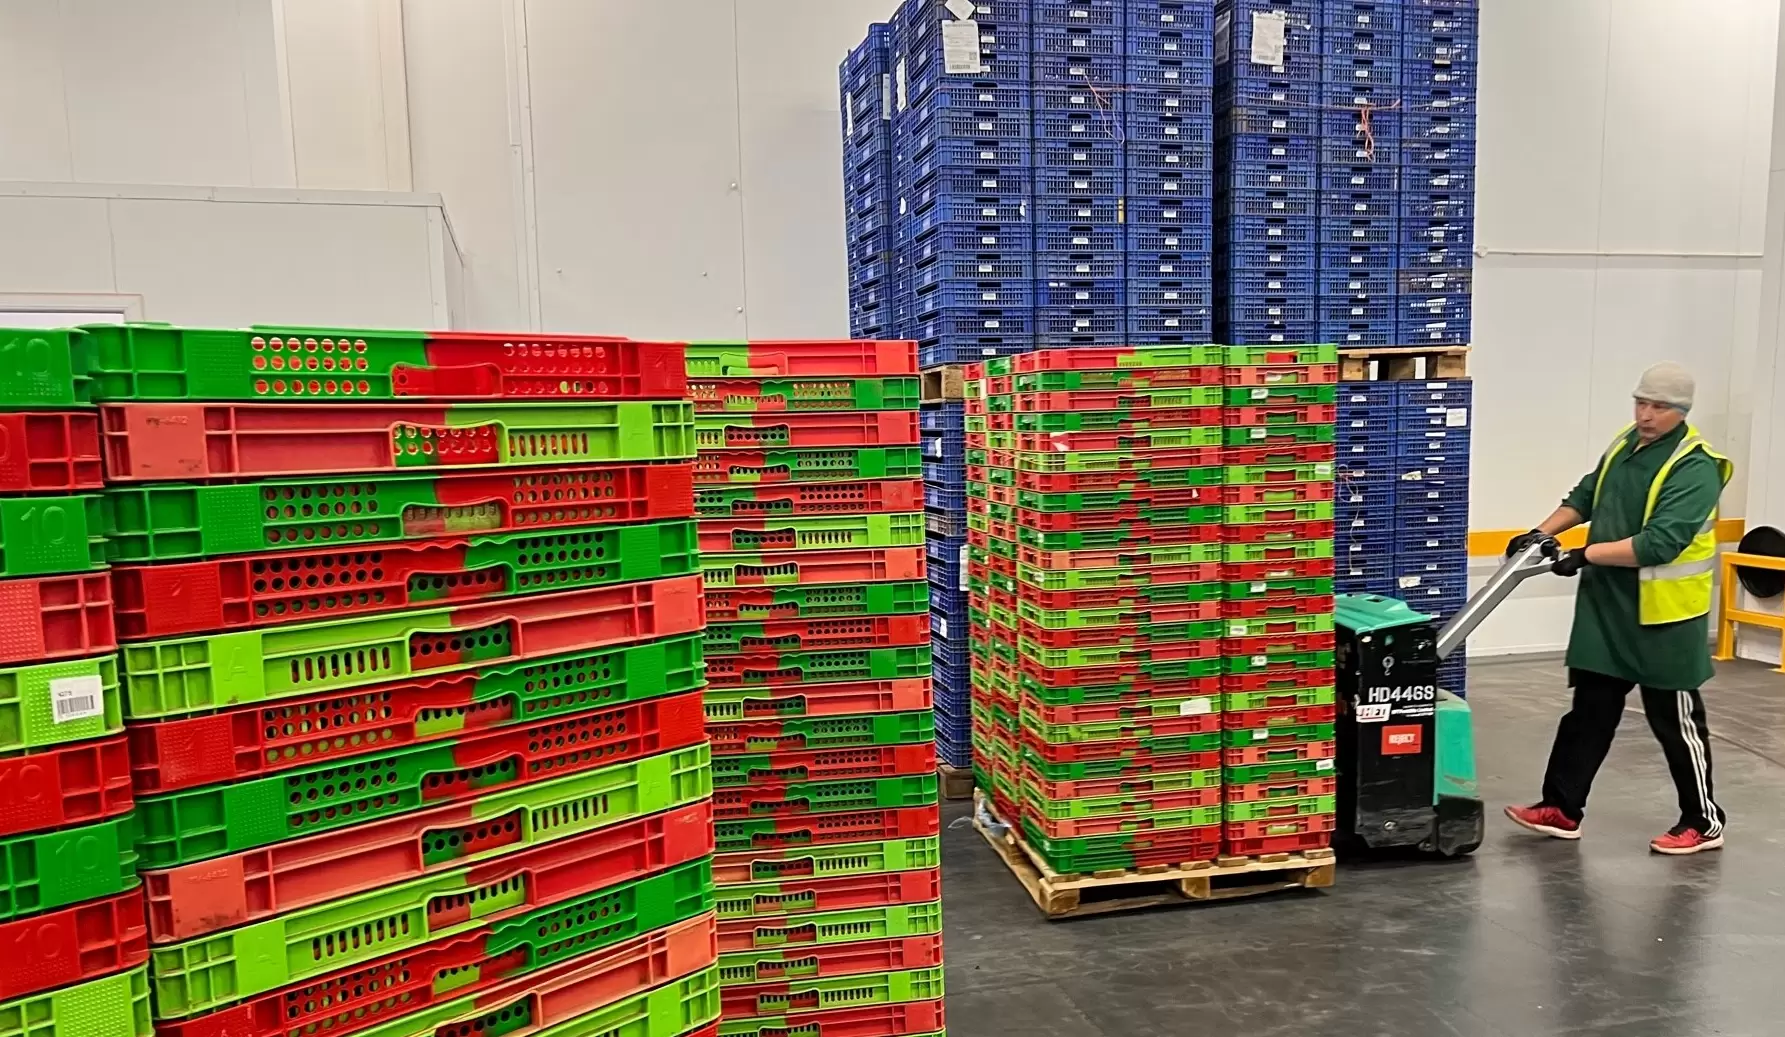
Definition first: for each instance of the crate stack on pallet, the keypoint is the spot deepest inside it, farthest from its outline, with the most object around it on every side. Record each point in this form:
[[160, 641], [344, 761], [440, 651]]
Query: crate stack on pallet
[[866, 99], [819, 699], [1438, 84], [964, 263], [71, 905], [1167, 108], [1278, 702], [943, 426], [1430, 548], [1113, 512], [1267, 145], [1358, 204], [411, 663]]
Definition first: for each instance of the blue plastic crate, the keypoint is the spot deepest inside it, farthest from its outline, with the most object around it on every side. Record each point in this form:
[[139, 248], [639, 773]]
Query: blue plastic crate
[[1448, 181], [969, 94], [1442, 462], [1380, 235], [1362, 284], [1282, 284], [1272, 203], [1080, 294], [926, 126], [950, 602], [1094, 14], [953, 322], [1421, 125], [1191, 15], [945, 551], [1353, 336], [1049, 41], [1342, 259], [1083, 266], [1359, 71], [1075, 184], [946, 448], [1439, 154], [1360, 205], [870, 271], [1057, 322], [956, 752], [1198, 337], [1243, 334], [1186, 213], [1002, 186], [1360, 43], [1453, 676], [963, 350], [1146, 294], [1384, 127], [1197, 130], [1302, 17], [1186, 321], [1078, 211], [873, 246], [1435, 257], [1195, 76], [1427, 20], [968, 154], [1347, 311], [1418, 77], [1440, 596], [1171, 45], [1417, 310], [1091, 157], [1160, 103], [1370, 529], [1431, 423], [925, 76], [1104, 128], [950, 416], [970, 295], [1270, 176], [1366, 394], [1057, 70], [1171, 238], [1352, 153], [1278, 122], [1169, 266], [1244, 149], [1165, 159], [957, 266], [1441, 50], [1450, 392], [1371, 15], [943, 474], [1266, 259], [1266, 93], [1269, 311], [963, 238], [945, 523], [1082, 98], [1269, 230], [1435, 281], [1435, 332], [1371, 425], [1044, 341], [1346, 177]]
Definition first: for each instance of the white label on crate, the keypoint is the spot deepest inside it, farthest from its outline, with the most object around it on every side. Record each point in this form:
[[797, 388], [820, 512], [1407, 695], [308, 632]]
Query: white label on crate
[[1260, 735], [848, 117], [1270, 30], [1167, 18], [1456, 417], [963, 577], [1374, 712], [899, 84], [960, 48], [1194, 707], [961, 8], [76, 698], [941, 625], [1261, 393], [1236, 630], [886, 98], [1408, 582], [1323, 470], [1261, 660], [1259, 433], [1323, 765]]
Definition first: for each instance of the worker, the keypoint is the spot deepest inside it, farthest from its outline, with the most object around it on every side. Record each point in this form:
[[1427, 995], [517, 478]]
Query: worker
[[1642, 615]]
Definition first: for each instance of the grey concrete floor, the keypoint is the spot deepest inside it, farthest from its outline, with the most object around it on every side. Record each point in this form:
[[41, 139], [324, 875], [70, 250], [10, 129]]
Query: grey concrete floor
[[1529, 937]]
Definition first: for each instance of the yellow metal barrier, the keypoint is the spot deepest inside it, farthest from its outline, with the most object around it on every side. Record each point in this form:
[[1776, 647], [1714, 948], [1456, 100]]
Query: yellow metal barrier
[[1728, 615]]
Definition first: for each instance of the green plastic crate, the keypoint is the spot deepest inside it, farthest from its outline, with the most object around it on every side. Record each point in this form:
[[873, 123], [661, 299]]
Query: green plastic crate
[[1100, 460], [1277, 551], [1135, 803], [216, 821], [821, 797], [797, 395], [808, 465], [1287, 660], [832, 601], [829, 927], [162, 362], [1271, 355], [48, 704], [1262, 773], [1115, 768], [1314, 623], [1241, 738], [822, 533], [801, 867], [1168, 706], [46, 536], [47, 870], [1091, 853], [1107, 500], [1278, 435], [817, 734], [1087, 694], [116, 1006], [1264, 474], [1270, 809], [1138, 397], [810, 995], [1171, 781], [1306, 511], [1134, 379], [1083, 619], [1124, 421], [44, 369], [214, 971], [1083, 579], [1281, 395], [679, 1007], [1116, 730], [1246, 590], [873, 664], [1116, 654], [997, 367]]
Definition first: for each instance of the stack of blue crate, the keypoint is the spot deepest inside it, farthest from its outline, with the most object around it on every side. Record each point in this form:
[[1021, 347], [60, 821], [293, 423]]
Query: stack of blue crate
[[1077, 49], [965, 275], [1266, 158], [865, 78], [1437, 170], [1360, 131], [1431, 552], [1366, 482], [1168, 117], [945, 456]]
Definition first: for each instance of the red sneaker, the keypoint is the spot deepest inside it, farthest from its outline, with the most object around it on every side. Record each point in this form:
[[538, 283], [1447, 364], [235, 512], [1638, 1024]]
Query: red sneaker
[[1544, 820], [1680, 841]]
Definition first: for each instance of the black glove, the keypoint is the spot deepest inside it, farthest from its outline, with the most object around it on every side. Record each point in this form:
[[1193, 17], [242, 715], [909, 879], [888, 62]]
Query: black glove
[[1571, 562], [1524, 540]]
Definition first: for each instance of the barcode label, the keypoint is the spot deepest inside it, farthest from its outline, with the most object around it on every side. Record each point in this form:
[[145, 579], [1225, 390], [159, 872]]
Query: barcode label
[[76, 698]]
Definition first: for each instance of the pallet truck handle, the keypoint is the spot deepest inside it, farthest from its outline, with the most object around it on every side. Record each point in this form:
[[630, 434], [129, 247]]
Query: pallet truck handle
[[1536, 558]]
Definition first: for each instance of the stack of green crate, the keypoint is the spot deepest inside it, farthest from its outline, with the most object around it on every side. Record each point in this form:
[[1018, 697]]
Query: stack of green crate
[[819, 699], [71, 905], [412, 671], [1278, 568], [995, 671]]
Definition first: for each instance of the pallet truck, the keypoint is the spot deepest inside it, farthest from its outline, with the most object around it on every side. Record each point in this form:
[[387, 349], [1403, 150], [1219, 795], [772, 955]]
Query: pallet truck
[[1406, 747]]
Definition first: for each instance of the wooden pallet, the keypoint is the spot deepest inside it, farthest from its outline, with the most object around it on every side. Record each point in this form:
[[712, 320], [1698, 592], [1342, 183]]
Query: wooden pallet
[[956, 782], [944, 384], [1106, 892], [1402, 363]]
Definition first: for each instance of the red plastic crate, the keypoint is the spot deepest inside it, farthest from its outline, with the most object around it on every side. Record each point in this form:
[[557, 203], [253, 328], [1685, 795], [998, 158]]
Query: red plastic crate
[[1291, 414], [86, 941], [1000, 494], [1138, 779], [1130, 707], [815, 429], [1265, 608], [824, 700], [1071, 400], [739, 972], [792, 833], [1138, 418], [1278, 752], [1115, 597], [1110, 637], [772, 569], [1094, 482], [50, 452], [863, 763], [1282, 716], [1273, 644], [1137, 557], [179, 598], [839, 358], [1133, 440], [66, 785], [780, 500], [1278, 493], [192, 750], [894, 1020], [228, 891], [1000, 422], [1240, 831], [56, 617], [1088, 358], [1246, 847], [1287, 788], [1124, 824], [1286, 681], [1298, 569], [1164, 575], [1134, 752], [360, 999], [1282, 374], [1123, 670], [1133, 517], [1302, 454], [793, 899], [831, 635]]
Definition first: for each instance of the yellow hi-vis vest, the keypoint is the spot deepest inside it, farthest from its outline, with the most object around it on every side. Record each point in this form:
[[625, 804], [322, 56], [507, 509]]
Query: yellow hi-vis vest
[[1681, 589]]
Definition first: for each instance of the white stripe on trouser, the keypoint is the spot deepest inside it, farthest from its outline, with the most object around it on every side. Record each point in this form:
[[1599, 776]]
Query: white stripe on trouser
[[1695, 749]]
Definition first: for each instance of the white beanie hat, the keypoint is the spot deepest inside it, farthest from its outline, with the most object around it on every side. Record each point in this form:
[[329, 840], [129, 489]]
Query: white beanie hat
[[1668, 383]]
